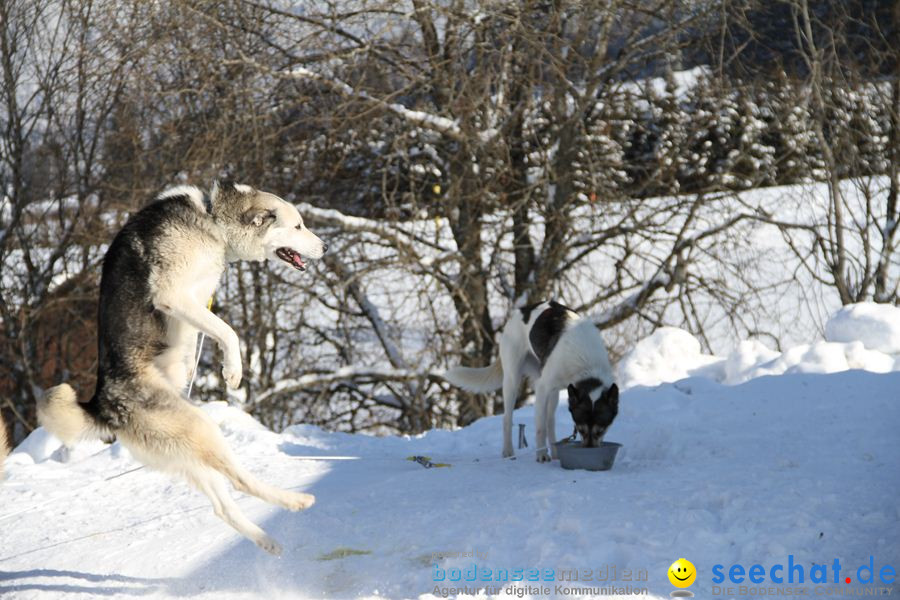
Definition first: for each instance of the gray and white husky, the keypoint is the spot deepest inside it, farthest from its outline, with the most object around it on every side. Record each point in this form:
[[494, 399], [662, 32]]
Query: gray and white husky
[[158, 274], [550, 345]]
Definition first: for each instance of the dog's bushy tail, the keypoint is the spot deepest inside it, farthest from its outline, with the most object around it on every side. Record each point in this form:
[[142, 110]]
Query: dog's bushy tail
[[486, 379], [61, 414]]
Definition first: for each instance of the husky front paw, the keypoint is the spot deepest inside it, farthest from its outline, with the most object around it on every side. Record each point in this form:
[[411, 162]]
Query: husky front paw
[[508, 452], [269, 545], [232, 374], [299, 501], [542, 456]]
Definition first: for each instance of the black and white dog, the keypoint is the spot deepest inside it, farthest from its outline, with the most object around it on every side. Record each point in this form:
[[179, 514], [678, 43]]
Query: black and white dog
[[157, 275], [550, 345]]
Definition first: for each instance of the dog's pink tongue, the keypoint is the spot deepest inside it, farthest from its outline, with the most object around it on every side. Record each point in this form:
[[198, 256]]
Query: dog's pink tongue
[[297, 260]]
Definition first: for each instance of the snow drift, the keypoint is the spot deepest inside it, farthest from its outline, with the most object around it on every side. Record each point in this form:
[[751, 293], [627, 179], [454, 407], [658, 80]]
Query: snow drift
[[859, 336]]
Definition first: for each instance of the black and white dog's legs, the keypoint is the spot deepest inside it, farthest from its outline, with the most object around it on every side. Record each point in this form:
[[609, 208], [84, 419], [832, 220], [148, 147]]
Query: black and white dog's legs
[[550, 407], [542, 398], [514, 358], [511, 385]]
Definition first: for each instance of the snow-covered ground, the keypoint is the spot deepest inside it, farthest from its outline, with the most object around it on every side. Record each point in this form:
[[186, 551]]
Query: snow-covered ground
[[801, 459]]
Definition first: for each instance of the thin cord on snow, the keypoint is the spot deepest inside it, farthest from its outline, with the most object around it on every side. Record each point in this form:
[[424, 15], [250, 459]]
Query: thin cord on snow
[[106, 532], [64, 542], [463, 460], [138, 468], [70, 494]]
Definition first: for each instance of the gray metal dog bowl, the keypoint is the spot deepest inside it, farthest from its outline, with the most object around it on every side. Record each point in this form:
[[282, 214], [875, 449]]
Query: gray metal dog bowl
[[573, 455]]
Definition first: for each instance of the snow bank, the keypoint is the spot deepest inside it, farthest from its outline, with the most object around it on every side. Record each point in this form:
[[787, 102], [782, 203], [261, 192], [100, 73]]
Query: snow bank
[[877, 326], [38, 446], [862, 336], [41, 445], [669, 354]]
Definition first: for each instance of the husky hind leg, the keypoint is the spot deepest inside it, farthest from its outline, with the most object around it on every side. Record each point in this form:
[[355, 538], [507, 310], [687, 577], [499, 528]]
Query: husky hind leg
[[212, 484], [216, 454], [180, 438], [245, 482]]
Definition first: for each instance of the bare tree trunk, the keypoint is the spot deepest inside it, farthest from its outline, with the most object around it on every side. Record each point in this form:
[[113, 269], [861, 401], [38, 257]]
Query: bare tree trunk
[[883, 291], [521, 202], [471, 295]]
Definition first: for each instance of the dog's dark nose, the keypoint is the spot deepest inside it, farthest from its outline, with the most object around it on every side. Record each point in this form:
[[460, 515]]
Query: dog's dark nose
[[324, 247]]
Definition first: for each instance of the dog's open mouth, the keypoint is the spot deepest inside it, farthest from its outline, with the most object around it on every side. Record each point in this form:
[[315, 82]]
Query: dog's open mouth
[[291, 257]]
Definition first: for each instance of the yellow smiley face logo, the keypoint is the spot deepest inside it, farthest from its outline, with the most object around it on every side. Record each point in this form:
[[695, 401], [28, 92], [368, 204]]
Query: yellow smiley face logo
[[682, 573]]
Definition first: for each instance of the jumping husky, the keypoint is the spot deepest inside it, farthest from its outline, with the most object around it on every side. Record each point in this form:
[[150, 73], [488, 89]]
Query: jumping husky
[[550, 345], [158, 274]]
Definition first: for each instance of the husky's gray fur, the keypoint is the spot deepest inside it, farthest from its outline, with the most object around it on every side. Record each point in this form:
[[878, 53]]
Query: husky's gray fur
[[158, 274]]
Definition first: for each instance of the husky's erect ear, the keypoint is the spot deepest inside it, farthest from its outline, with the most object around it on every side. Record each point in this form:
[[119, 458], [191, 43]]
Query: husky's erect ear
[[257, 217], [215, 192], [221, 188]]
